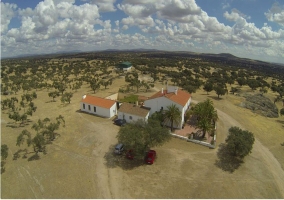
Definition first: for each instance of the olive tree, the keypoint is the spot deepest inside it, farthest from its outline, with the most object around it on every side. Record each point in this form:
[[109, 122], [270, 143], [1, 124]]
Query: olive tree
[[140, 136], [239, 142]]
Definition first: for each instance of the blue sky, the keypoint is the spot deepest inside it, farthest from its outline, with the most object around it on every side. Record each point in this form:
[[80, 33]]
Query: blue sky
[[246, 28]]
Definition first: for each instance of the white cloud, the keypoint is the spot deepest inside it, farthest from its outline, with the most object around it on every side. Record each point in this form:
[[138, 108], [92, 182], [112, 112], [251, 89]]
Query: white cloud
[[104, 5], [56, 24], [225, 5], [276, 14], [7, 13]]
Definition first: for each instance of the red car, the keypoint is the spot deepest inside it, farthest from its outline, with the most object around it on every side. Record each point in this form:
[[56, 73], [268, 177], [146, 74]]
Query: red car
[[150, 158], [130, 154]]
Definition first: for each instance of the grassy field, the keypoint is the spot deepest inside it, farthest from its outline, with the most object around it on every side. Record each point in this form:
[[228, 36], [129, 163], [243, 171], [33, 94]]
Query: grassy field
[[80, 163]]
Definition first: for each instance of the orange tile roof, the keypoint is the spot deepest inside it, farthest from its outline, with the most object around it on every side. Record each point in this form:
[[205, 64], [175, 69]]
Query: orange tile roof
[[98, 101], [181, 97]]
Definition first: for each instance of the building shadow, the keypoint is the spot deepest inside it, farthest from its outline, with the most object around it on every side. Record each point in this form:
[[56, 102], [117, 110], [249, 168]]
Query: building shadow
[[226, 161], [113, 160]]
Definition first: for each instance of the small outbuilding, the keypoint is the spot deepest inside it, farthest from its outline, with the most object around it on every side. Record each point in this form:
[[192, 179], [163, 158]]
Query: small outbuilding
[[125, 66], [133, 112], [99, 106]]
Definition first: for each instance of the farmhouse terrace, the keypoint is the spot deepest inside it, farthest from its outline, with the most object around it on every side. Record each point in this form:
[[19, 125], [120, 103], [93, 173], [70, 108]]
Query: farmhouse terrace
[[134, 109]]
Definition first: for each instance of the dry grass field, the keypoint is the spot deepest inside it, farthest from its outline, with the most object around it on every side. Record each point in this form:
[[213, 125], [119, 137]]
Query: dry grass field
[[80, 163]]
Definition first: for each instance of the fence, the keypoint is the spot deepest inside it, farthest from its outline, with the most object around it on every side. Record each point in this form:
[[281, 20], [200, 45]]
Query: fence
[[198, 141]]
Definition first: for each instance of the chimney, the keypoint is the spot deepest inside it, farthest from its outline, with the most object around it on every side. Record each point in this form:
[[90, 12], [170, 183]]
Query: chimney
[[176, 91], [84, 96], [136, 103], [162, 90]]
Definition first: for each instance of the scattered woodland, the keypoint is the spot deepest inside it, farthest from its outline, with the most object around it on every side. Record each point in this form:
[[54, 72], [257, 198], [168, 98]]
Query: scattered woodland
[[61, 76]]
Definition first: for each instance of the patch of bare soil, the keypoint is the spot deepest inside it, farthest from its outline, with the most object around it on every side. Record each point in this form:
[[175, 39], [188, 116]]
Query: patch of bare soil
[[80, 163]]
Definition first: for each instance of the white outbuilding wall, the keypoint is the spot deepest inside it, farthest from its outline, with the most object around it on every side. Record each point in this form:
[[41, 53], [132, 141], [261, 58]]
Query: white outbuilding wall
[[103, 112], [130, 117]]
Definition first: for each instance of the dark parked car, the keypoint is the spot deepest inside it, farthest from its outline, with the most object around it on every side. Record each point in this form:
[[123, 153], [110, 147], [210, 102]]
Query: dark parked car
[[130, 154], [120, 122], [150, 158], [119, 148]]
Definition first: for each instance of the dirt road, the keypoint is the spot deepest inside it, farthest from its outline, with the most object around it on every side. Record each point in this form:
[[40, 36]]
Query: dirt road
[[266, 156]]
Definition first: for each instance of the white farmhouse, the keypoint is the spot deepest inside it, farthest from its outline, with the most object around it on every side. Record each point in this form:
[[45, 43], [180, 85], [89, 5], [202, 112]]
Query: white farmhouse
[[133, 112], [98, 106], [164, 98]]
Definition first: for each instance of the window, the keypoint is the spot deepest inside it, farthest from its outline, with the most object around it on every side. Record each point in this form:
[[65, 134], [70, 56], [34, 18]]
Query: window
[[162, 108], [130, 117], [83, 106], [89, 107], [95, 109]]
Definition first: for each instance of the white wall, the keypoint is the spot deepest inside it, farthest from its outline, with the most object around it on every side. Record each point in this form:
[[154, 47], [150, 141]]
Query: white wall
[[127, 117], [157, 103], [104, 112], [128, 68]]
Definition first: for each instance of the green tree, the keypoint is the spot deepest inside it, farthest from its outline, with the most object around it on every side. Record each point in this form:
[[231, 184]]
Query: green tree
[[66, 97], [253, 84], [231, 81], [105, 84], [39, 143], [140, 136], [241, 81], [220, 90], [21, 138], [95, 85], [172, 115], [282, 111], [53, 94], [4, 151], [263, 90], [190, 88], [4, 155], [206, 116], [233, 90], [15, 116], [239, 142], [208, 87]]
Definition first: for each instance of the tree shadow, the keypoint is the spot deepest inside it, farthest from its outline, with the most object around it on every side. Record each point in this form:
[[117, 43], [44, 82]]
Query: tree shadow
[[113, 160], [192, 121], [50, 101], [279, 121], [34, 157], [2, 166], [18, 154], [12, 126], [226, 161], [215, 98], [24, 154]]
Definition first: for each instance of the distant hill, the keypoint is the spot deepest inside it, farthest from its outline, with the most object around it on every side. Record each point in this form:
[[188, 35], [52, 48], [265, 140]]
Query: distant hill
[[132, 50], [47, 54]]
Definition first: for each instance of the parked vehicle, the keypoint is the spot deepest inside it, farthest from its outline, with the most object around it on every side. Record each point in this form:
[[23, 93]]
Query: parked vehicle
[[119, 148], [130, 154], [120, 122], [151, 156]]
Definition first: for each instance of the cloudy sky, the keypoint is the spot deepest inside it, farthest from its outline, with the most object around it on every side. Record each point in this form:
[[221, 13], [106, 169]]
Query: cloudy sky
[[245, 28]]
